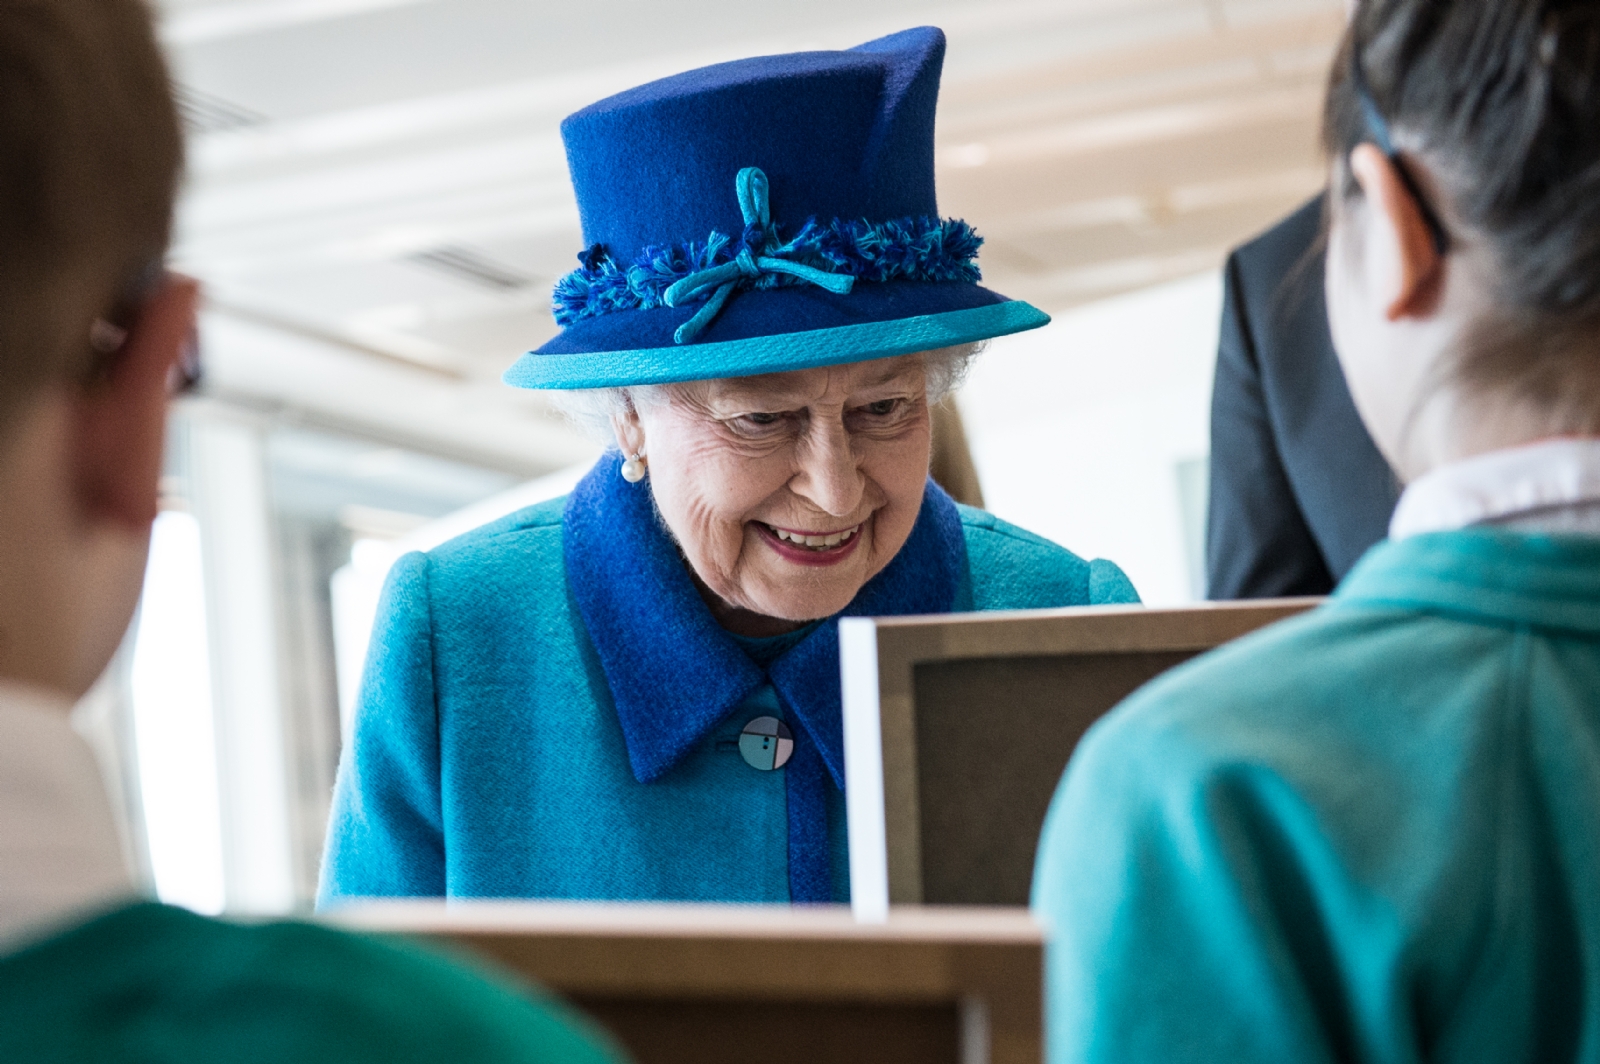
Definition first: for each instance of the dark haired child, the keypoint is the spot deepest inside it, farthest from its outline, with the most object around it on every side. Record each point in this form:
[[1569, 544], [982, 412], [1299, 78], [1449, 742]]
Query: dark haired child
[[1373, 833]]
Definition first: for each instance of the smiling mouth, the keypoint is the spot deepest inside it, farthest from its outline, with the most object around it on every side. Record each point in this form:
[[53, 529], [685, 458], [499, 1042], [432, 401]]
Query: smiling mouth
[[813, 541]]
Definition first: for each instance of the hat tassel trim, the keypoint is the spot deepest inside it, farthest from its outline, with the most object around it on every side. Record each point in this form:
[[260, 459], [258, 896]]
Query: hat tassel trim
[[923, 249]]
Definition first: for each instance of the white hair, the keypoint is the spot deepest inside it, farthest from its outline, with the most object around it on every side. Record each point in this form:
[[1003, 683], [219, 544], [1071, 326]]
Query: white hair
[[592, 409]]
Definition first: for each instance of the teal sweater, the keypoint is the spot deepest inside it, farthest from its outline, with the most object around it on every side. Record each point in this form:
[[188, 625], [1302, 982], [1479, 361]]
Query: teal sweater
[[488, 759], [1368, 834], [150, 984]]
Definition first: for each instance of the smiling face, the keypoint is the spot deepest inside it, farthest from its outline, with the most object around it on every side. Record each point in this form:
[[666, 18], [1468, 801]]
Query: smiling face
[[787, 492]]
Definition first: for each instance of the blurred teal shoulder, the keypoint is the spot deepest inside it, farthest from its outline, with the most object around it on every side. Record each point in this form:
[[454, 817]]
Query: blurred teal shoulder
[[1256, 855], [1227, 834], [1010, 568], [154, 983]]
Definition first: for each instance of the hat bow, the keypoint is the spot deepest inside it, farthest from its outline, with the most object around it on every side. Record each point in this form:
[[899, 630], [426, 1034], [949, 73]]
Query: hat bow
[[760, 255]]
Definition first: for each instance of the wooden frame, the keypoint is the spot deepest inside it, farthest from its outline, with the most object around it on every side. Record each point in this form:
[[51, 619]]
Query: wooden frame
[[879, 659], [770, 984]]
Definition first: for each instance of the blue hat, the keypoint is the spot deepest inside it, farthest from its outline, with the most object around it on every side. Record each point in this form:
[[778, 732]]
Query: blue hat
[[765, 215]]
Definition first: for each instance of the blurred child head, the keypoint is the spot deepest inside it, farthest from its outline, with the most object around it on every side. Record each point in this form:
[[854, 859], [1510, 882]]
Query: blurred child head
[[90, 326], [1464, 272]]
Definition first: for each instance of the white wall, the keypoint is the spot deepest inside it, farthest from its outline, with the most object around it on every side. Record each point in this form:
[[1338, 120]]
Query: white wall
[[175, 723], [228, 480], [1078, 428]]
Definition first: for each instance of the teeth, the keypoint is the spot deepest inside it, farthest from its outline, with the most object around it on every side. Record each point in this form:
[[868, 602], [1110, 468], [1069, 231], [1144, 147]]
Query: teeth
[[815, 542]]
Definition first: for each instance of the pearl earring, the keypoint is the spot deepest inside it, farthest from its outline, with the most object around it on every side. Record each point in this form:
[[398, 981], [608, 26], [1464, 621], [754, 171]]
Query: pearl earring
[[633, 468]]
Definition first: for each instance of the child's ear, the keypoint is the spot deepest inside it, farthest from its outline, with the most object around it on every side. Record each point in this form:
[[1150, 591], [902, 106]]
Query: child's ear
[[121, 419], [1402, 262]]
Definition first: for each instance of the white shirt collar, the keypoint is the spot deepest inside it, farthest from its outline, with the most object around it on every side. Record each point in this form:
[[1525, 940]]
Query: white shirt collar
[[1551, 486], [60, 855]]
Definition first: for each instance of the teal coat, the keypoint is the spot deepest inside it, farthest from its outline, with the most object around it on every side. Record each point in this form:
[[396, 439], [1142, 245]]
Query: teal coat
[[1368, 834], [488, 759]]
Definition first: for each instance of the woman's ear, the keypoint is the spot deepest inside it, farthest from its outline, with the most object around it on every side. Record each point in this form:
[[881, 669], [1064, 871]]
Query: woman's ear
[[629, 430], [1404, 270], [121, 419]]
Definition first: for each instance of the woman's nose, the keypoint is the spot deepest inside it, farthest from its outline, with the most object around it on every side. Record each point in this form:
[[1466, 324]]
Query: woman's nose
[[830, 474]]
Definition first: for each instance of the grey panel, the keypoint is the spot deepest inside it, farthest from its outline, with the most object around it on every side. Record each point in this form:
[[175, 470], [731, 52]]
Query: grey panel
[[993, 738]]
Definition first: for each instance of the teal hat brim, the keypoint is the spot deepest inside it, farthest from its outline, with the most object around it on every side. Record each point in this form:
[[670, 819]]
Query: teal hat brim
[[774, 354]]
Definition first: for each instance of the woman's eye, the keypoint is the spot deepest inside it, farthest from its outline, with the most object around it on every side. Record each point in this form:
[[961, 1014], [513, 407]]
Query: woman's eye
[[763, 424], [883, 407]]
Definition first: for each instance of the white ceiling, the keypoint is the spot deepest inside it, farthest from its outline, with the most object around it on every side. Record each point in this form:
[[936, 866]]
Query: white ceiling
[[381, 182]]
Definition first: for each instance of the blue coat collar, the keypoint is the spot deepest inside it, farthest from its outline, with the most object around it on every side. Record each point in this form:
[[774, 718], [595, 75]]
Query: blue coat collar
[[674, 672]]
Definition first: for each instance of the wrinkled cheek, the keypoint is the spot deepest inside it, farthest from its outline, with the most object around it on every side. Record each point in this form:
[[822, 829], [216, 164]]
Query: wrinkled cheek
[[890, 530], [715, 547]]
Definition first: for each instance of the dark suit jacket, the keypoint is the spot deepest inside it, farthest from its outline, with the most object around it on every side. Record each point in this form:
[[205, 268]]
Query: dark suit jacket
[[1298, 489]]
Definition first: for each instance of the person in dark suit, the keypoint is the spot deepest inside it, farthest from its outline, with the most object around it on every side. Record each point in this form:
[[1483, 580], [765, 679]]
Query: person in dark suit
[[1298, 488]]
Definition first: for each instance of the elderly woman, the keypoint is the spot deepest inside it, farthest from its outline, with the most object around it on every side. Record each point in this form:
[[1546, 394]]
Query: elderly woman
[[633, 693]]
